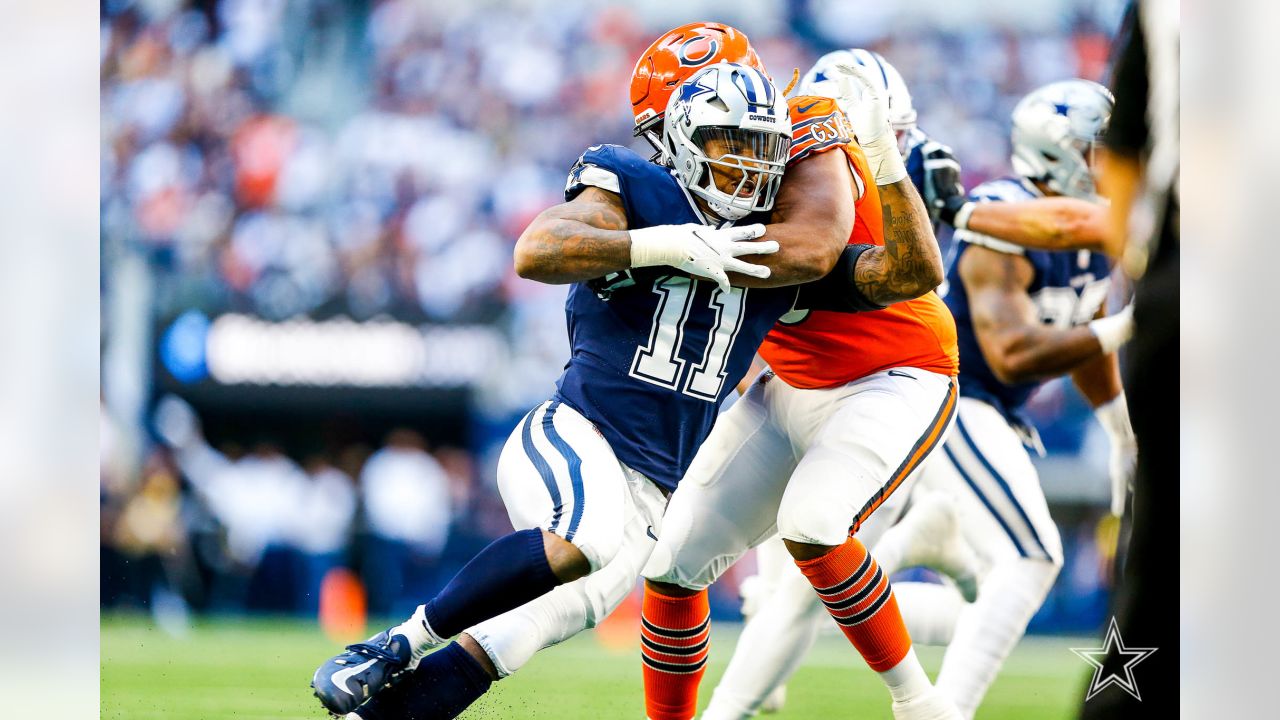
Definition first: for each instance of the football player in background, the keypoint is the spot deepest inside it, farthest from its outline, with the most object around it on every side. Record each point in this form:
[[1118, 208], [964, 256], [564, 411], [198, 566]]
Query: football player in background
[[624, 423], [1023, 317], [816, 451]]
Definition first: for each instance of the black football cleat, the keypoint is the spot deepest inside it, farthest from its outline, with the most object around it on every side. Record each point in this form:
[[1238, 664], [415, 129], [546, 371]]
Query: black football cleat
[[349, 679]]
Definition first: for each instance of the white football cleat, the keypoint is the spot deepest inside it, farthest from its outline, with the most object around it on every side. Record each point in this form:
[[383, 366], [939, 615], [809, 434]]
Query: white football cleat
[[935, 541], [932, 705]]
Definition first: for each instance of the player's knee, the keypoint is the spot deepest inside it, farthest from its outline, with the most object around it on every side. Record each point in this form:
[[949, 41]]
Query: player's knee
[[567, 561], [601, 546], [586, 553], [670, 589], [1056, 561], [1031, 577], [1045, 573], [802, 551], [803, 522]]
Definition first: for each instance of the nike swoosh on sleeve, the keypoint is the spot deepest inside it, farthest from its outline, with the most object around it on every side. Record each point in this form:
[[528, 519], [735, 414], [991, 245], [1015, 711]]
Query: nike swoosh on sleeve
[[806, 108]]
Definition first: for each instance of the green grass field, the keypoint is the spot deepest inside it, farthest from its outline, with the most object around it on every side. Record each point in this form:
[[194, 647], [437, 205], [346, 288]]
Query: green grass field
[[260, 669]]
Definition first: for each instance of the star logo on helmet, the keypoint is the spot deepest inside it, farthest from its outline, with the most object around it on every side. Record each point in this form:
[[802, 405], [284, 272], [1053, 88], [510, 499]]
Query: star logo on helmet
[[1062, 109], [693, 88]]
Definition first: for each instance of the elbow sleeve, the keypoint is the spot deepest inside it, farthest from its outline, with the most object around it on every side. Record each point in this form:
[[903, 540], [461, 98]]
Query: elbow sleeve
[[837, 291]]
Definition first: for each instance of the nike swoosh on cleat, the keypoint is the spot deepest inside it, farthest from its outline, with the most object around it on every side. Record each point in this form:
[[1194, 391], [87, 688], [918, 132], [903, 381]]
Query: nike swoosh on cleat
[[341, 677], [805, 109]]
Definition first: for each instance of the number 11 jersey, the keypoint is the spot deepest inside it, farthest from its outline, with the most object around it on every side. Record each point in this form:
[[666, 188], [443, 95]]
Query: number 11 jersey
[[654, 352]]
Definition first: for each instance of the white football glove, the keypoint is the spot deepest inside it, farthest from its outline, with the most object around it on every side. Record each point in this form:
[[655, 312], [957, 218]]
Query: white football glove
[[1114, 330], [701, 250], [1114, 418], [863, 101]]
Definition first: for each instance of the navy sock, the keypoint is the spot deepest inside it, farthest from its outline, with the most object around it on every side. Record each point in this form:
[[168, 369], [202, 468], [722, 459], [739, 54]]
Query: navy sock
[[445, 683], [509, 573]]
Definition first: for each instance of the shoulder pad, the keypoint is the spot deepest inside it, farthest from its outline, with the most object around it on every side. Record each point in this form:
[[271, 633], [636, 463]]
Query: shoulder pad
[[610, 167], [817, 125], [1000, 190], [988, 242], [1004, 189]]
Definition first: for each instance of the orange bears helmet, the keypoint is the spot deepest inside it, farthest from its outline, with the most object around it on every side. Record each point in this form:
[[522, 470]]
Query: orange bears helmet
[[675, 56]]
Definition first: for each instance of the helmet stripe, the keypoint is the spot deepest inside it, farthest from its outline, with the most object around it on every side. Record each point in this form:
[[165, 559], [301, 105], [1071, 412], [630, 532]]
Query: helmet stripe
[[884, 75], [754, 86], [768, 87]]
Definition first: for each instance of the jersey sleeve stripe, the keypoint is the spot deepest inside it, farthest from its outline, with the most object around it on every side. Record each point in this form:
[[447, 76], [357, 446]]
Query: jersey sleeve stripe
[[803, 152], [986, 241], [808, 137], [807, 122]]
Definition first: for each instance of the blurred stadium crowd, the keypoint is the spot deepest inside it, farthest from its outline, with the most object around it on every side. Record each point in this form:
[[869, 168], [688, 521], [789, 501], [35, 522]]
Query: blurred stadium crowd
[[237, 528], [363, 159]]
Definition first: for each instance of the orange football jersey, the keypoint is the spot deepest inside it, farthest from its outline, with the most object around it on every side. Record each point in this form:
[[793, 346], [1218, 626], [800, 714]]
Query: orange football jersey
[[824, 349]]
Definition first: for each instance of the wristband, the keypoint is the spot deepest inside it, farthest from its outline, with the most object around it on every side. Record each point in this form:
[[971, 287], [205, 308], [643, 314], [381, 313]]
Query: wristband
[[961, 221], [884, 158], [654, 246], [1114, 330], [1113, 416]]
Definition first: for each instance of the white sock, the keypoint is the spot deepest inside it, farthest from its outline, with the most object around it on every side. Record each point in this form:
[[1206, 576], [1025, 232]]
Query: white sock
[[930, 611], [987, 631], [907, 679], [513, 637], [419, 633], [770, 648]]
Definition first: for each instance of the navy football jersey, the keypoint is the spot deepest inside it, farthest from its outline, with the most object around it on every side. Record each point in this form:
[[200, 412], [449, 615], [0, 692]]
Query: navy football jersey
[[914, 143], [654, 352], [1068, 289]]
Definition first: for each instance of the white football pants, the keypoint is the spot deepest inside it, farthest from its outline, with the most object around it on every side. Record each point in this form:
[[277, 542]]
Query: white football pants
[[559, 474], [1003, 515]]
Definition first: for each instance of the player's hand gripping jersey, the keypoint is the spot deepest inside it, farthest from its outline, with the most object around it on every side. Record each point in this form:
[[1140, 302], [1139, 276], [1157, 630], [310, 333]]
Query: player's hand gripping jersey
[[818, 348], [1068, 289], [655, 352]]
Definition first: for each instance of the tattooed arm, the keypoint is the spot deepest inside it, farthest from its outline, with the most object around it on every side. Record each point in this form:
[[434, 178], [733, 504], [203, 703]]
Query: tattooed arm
[[910, 264], [587, 238], [578, 240]]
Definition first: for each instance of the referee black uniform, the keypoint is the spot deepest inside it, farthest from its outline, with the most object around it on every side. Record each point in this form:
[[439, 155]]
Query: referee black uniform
[[1144, 127]]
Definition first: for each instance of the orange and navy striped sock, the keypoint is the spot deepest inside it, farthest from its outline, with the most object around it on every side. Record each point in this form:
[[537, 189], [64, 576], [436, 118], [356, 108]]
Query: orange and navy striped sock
[[674, 636], [859, 597]]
